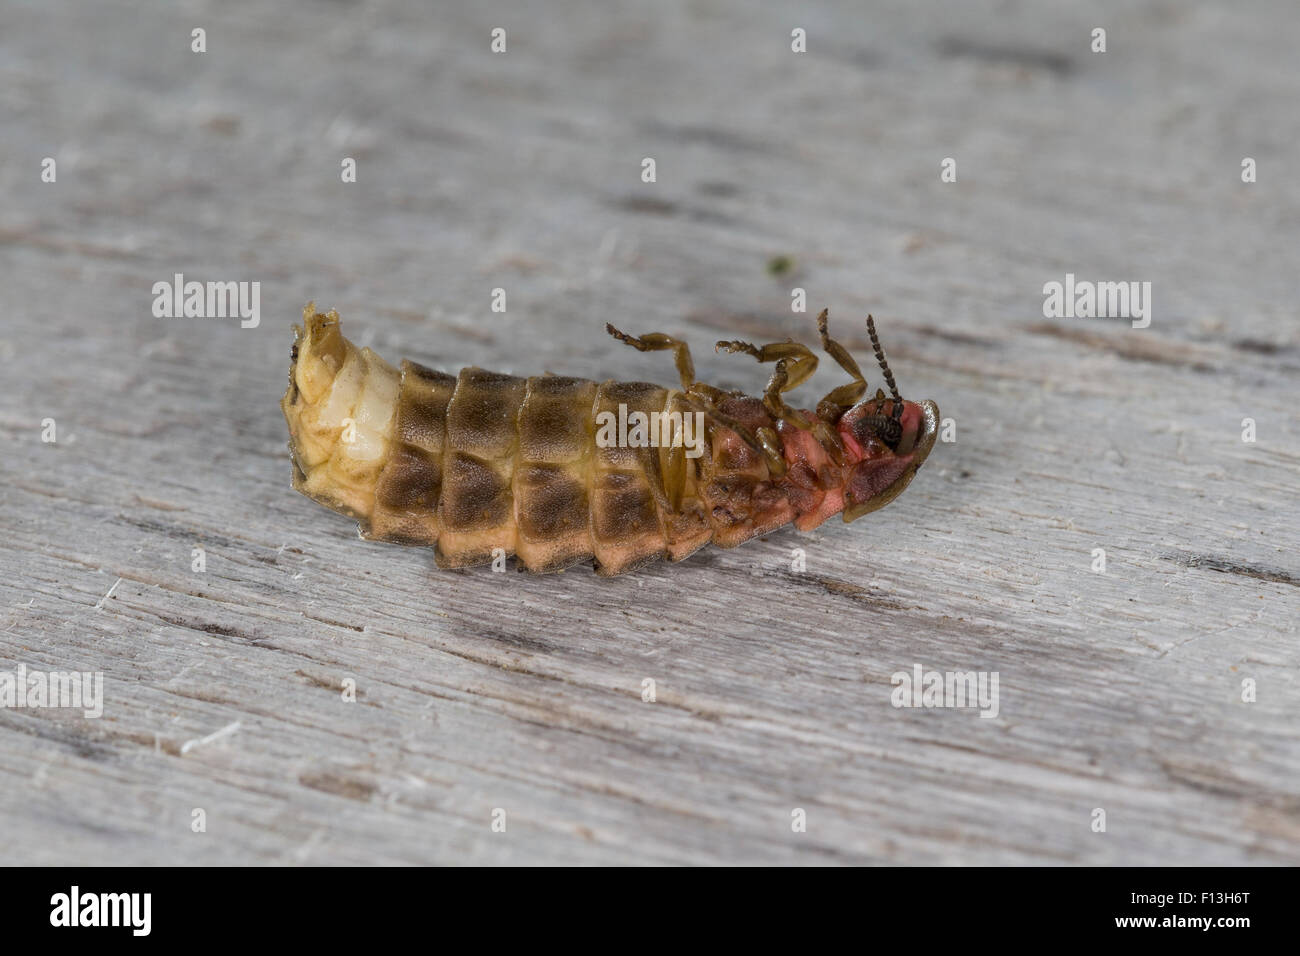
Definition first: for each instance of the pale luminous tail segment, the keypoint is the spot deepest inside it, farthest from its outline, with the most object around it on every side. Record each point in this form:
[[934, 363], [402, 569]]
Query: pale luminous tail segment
[[340, 408]]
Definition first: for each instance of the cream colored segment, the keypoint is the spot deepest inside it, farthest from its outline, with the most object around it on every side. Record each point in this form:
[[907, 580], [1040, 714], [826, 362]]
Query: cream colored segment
[[328, 484], [367, 440], [364, 436], [317, 367], [312, 451], [365, 447], [379, 399], [337, 405], [346, 416], [314, 374], [321, 424]]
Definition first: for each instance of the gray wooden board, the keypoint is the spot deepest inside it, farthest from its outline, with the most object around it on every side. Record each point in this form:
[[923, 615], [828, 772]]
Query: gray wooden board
[[478, 691]]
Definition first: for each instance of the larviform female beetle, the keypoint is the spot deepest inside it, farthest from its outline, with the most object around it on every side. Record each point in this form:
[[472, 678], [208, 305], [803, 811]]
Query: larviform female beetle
[[479, 461]]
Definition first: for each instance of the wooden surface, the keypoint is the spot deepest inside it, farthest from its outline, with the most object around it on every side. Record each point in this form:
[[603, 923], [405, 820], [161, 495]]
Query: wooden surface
[[478, 690]]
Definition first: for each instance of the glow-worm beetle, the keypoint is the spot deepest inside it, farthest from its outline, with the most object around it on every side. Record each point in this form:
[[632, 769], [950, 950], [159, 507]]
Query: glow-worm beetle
[[481, 464]]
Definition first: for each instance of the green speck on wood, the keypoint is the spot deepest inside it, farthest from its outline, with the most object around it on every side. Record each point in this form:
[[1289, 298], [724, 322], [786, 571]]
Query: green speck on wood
[[779, 265]]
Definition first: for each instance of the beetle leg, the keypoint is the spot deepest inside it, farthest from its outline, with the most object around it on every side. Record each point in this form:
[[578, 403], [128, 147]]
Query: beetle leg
[[795, 363], [708, 393], [801, 360], [838, 399], [703, 398], [775, 403], [778, 409], [765, 444], [673, 478], [785, 376], [657, 342], [771, 443]]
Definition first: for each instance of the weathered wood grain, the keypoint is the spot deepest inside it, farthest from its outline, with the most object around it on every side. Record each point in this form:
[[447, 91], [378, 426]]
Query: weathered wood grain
[[477, 690]]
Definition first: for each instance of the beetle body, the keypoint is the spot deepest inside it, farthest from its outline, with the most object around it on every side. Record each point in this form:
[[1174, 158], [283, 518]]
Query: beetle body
[[480, 464]]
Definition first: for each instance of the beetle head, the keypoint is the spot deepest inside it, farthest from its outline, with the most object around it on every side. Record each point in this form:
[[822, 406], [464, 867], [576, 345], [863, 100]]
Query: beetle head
[[887, 439]]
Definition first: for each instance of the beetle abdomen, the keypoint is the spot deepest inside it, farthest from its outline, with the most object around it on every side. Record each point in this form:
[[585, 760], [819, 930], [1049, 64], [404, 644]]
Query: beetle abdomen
[[473, 463], [410, 485]]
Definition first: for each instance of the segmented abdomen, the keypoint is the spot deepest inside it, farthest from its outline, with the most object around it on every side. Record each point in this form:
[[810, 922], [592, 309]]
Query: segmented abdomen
[[482, 461]]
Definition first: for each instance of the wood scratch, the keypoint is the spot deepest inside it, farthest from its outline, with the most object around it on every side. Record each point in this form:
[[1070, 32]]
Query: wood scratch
[[225, 731], [100, 605]]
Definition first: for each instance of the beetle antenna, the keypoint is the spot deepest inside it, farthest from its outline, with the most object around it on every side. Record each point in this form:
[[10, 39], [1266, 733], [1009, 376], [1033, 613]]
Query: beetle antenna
[[880, 359]]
